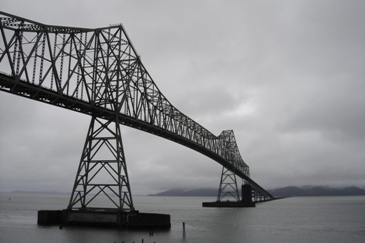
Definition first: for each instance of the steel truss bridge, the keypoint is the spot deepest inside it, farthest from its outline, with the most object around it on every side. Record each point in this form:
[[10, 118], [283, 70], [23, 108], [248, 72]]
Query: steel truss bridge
[[98, 72]]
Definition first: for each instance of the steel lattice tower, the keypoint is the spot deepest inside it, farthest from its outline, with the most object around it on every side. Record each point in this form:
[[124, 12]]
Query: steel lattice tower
[[228, 186], [228, 183], [102, 170]]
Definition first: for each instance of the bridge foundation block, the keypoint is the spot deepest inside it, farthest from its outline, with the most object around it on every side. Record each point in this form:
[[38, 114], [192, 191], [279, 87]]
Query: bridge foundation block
[[228, 204], [103, 218], [245, 202]]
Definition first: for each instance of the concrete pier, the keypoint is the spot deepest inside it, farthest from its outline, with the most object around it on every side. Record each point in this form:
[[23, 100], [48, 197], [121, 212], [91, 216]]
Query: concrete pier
[[104, 218], [50, 217], [245, 202], [228, 204]]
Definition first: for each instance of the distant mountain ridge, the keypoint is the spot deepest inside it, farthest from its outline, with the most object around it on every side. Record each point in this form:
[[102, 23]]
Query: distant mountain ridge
[[40, 192], [202, 192], [290, 191]]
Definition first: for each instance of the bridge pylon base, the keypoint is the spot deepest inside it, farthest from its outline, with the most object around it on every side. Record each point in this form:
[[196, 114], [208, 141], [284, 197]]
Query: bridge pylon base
[[246, 200], [229, 204], [104, 218]]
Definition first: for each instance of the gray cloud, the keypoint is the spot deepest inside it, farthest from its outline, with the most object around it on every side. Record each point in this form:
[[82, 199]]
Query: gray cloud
[[286, 76]]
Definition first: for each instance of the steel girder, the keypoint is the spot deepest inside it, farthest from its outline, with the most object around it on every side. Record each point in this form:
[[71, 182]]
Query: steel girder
[[98, 72]]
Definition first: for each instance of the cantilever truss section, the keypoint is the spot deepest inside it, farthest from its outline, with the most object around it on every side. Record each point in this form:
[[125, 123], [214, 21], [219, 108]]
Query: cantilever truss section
[[99, 73], [102, 178], [96, 71]]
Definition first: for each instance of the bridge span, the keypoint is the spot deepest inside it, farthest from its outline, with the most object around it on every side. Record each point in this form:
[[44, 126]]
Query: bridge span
[[99, 73]]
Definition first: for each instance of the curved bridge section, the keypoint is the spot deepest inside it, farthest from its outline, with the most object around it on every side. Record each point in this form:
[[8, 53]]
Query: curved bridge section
[[98, 72]]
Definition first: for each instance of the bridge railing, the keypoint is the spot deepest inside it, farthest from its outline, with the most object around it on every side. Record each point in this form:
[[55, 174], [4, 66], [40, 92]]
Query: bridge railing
[[100, 67]]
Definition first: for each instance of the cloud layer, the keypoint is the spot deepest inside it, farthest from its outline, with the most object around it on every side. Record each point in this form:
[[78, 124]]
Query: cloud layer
[[286, 76]]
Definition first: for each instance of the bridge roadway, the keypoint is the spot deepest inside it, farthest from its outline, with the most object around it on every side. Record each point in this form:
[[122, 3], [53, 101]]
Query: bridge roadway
[[144, 106]]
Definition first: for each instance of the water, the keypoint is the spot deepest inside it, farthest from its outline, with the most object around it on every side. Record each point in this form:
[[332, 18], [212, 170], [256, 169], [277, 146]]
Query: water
[[301, 219]]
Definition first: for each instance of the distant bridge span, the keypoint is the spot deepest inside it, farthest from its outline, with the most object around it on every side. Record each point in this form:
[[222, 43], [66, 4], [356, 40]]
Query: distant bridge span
[[99, 73]]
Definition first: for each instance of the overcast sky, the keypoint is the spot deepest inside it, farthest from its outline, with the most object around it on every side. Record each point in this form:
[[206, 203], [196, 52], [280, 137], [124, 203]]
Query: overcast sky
[[287, 76]]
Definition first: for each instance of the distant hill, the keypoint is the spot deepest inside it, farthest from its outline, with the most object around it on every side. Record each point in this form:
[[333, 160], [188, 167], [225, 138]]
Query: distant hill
[[290, 191], [40, 192], [207, 192]]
